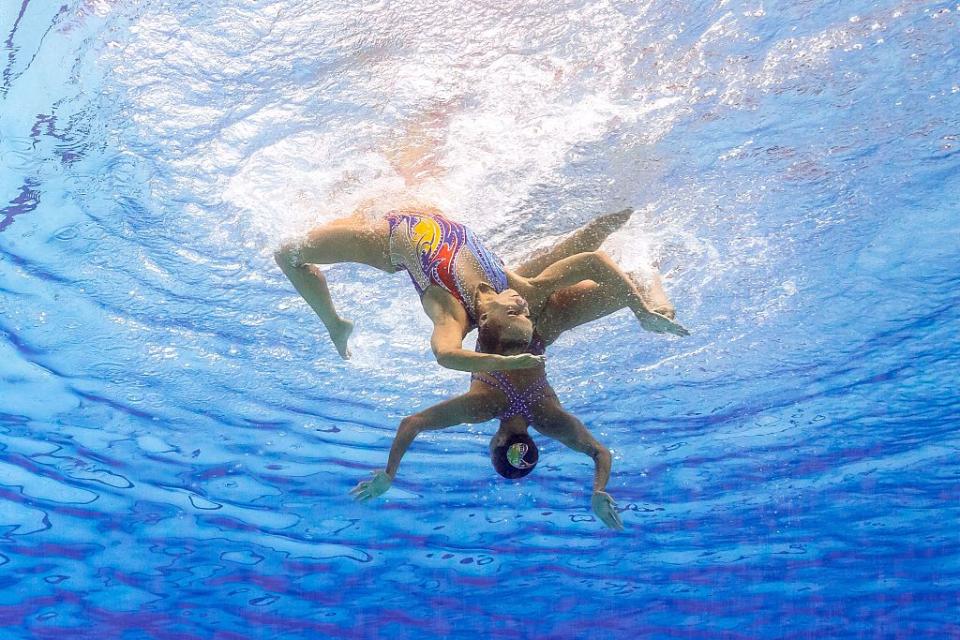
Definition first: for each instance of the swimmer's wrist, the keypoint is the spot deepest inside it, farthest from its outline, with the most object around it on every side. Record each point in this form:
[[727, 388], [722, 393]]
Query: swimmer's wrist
[[497, 362]]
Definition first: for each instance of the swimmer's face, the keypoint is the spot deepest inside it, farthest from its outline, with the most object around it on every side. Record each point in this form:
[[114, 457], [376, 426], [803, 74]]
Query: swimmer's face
[[506, 315]]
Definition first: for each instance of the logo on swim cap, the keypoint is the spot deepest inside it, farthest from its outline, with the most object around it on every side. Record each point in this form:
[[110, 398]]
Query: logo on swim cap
[[516, 454]]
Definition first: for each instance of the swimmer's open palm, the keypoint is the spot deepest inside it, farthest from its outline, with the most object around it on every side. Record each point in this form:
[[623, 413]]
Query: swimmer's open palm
[[605, 508], [368, 489]]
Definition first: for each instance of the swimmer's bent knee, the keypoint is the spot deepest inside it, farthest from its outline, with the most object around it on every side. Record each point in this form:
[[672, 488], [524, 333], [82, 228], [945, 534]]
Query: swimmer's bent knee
[[288, 256]]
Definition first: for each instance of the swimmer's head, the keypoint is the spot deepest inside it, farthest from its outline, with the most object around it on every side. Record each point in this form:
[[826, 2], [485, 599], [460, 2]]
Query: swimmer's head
[[503, 320], [513, 453]]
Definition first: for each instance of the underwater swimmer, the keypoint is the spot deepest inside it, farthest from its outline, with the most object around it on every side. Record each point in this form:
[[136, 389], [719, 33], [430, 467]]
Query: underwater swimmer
[[524, 398], [520, 398], [447, 264]]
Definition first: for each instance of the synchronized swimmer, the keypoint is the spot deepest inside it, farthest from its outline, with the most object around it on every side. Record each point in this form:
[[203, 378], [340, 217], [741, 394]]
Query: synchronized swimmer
[[462, 285]]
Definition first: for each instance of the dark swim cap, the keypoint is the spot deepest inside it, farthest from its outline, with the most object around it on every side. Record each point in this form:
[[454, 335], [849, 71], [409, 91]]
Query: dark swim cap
[[516, 458]]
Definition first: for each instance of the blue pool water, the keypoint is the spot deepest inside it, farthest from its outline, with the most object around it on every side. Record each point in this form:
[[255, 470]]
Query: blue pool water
[[177, 437]]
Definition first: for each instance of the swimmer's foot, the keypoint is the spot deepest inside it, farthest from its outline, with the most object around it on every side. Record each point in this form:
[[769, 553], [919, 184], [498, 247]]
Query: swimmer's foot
[[340, 334], [658, 323], [601, 227]]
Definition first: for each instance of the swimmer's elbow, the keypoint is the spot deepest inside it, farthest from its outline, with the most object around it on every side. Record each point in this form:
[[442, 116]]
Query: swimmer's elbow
[[442, 356], [600, 453], [447, 358], [410, 427]]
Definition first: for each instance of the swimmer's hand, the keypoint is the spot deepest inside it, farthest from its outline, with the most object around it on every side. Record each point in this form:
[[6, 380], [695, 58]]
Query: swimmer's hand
[[659, 323], [523, 361], [605, 508], [368, 489]]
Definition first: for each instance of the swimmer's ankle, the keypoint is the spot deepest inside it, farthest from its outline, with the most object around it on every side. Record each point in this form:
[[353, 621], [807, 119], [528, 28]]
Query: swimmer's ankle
[[340, 335]]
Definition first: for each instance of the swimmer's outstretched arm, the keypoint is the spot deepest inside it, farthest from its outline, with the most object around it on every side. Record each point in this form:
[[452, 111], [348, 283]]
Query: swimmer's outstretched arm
[[597, 266], [555, 422], [470, 407]]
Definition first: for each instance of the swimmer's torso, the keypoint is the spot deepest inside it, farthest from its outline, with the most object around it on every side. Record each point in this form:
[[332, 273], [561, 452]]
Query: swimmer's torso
[[438, 251]]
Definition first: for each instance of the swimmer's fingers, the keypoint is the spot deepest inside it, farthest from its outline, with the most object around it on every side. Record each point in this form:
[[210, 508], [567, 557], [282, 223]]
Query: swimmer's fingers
[[606, 510], [363, 495], [611, 518], [368, 489], [361, 492], [615, 521]]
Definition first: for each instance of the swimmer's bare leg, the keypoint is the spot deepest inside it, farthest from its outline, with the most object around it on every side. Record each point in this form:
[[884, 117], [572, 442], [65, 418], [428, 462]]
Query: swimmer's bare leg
[[585, 302], [654, 295], [589, 237], [352, 239], [415, 155], [477, 405]]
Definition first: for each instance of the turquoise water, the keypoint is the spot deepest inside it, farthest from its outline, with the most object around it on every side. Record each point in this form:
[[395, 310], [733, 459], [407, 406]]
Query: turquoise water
[[177, 437]]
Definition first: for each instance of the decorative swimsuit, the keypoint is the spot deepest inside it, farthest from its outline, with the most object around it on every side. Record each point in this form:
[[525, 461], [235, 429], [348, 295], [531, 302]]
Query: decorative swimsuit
[[431, 249]]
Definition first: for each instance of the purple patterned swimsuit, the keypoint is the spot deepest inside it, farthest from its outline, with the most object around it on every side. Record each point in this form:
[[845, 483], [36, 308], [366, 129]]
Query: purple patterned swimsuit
[[519, 403]]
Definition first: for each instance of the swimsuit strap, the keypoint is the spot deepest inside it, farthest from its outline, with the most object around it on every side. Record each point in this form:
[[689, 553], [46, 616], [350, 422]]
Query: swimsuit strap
[[490, 264]]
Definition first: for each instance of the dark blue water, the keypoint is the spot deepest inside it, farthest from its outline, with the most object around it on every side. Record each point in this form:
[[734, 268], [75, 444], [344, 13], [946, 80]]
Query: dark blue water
[[177, 437]]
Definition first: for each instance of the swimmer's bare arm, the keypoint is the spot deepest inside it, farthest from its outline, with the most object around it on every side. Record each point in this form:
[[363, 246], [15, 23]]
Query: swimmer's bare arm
[[471, 407], [578, 438], [450, 324], [559, 424], [596, 266]]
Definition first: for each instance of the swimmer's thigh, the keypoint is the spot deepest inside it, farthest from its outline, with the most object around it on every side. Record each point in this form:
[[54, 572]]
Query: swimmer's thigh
[[574, 306], [353, 239], [589, 237]]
